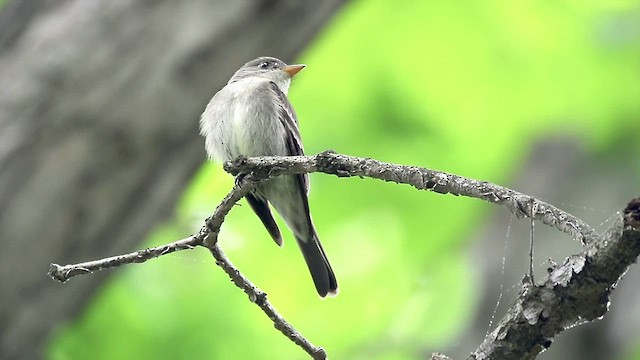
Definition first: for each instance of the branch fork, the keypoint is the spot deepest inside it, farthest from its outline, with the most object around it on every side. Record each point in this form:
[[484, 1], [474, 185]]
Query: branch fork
[[575, 291]]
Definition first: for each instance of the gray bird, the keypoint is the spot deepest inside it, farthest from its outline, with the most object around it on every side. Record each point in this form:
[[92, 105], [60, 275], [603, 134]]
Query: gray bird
[[252, 116]]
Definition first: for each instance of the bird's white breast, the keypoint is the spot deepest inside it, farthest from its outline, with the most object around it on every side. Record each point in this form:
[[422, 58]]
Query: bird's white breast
[[242, 119]]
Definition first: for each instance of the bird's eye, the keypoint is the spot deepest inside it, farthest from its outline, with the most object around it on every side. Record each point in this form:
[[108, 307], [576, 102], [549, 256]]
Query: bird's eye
[[263, 65]]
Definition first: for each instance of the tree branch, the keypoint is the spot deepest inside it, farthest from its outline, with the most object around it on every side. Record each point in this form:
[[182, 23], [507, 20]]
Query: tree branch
[[208, 237], [63, 273], [328, 162], [575, 292], [259, 298]]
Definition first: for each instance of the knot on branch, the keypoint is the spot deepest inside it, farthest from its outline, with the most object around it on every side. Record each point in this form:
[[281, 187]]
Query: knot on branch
[[56, 273], [632, 214], [319, 354], [258, 297], [235, 166], [330, 162], [257, 168]]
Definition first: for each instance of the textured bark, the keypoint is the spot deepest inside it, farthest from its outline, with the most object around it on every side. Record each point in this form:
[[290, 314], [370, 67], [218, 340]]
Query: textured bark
[[99, 107], [521, 205], [592, 186], [576, 292]]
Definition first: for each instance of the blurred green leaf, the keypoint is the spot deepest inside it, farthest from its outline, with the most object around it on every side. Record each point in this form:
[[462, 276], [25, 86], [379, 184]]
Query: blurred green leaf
[[462, 87]]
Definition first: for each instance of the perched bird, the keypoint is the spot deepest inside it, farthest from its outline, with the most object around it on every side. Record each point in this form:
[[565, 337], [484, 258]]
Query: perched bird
[[252, 116]]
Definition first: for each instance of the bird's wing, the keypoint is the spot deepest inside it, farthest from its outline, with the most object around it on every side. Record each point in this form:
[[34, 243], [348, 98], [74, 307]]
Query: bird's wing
[[290, 122], [260, 206]]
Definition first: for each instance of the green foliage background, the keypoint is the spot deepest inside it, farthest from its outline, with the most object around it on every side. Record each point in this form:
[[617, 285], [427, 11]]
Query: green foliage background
[[461, 87]]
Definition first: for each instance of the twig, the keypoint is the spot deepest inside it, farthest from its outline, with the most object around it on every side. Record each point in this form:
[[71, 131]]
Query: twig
[[64, 273], [259, 298], [531, 239], [211, 227]]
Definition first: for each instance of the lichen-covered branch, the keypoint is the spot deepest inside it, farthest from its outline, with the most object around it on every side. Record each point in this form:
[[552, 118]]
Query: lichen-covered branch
[[328, 162]]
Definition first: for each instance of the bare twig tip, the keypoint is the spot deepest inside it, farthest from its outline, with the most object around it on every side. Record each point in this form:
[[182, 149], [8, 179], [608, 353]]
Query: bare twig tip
[[56, 273]]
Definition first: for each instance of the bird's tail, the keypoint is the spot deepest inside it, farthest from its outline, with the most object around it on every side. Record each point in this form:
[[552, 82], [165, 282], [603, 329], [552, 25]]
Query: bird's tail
[[321, 272]]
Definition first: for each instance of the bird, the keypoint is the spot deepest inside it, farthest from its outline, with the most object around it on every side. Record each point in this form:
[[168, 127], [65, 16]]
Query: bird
[[252, 116]]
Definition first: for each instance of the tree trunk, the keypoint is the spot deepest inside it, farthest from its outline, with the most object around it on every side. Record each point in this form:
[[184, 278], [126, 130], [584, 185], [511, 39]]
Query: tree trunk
[[99, 109]]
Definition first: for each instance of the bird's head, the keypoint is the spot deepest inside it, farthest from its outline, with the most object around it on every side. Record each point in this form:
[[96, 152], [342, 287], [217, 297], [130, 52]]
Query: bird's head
[[268, 68]]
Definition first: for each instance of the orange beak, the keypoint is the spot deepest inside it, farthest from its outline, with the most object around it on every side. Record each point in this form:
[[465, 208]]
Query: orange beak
[[292, 70]]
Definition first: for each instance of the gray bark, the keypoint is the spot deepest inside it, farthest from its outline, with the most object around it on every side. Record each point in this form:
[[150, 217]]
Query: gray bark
[[99, 105], [559, 170]]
